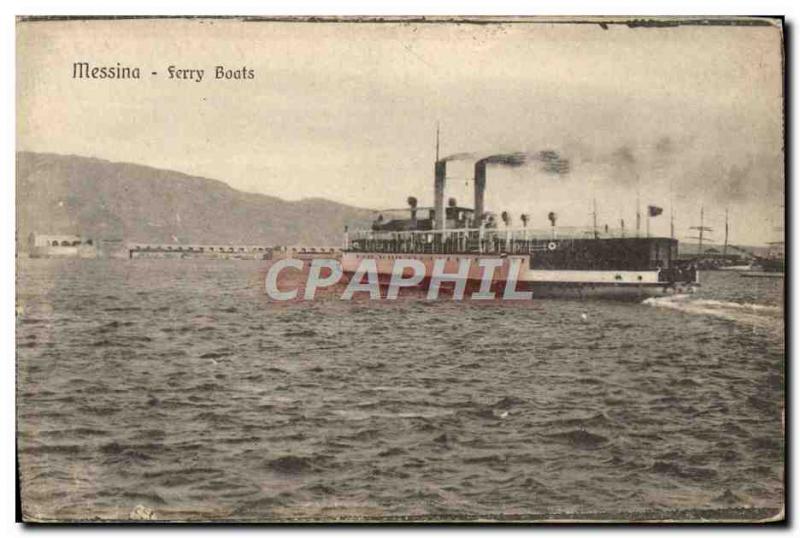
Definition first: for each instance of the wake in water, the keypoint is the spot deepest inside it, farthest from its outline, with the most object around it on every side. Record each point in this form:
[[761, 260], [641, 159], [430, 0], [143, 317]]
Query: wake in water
[[747, 313]]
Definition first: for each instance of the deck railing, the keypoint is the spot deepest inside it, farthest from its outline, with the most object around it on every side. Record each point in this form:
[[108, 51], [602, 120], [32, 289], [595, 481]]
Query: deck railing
[[480, 240]]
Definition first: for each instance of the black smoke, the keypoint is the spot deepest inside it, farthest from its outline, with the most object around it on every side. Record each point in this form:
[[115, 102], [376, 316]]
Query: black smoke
[[625, 166], [511, 160], [550, 161]]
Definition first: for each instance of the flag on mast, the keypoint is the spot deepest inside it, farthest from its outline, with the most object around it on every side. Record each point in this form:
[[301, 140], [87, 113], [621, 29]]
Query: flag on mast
[[652, 211]]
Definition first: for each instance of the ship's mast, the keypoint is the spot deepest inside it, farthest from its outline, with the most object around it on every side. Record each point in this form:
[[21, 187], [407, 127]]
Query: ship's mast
[[671, 210], [638, 205], [701, 231], [671, 222], [638, 213], [725, 245], [437, 141], [594, 217]]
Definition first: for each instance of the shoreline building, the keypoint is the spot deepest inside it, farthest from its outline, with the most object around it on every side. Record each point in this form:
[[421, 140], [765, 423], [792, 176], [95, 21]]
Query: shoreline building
[[60, 245]]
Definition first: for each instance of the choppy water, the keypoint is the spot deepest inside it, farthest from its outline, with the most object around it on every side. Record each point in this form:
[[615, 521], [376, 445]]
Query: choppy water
[[176, 385]]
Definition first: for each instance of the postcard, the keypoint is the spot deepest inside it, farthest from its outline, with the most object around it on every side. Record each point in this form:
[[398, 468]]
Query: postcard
[[371, 269]]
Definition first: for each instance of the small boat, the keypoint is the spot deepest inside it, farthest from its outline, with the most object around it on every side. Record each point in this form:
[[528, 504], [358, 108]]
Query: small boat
[[772, 266]]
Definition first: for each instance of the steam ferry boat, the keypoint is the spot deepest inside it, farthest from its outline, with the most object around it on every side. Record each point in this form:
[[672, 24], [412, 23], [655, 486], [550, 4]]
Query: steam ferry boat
[[555, 262]]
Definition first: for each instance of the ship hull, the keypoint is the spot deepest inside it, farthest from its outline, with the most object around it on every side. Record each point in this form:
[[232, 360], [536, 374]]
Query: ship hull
[[577, 290], [623, 285]]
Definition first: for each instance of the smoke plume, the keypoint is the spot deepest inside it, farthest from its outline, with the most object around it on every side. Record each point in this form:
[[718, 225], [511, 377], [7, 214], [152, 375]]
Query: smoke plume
[[511, 160], [625, 166], [550, 161]]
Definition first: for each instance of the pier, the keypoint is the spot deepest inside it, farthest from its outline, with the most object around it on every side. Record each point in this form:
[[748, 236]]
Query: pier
[[218, 251], [155, 250]]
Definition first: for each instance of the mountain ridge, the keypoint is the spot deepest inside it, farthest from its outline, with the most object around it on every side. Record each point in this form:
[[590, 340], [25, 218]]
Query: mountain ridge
[[73, 194]]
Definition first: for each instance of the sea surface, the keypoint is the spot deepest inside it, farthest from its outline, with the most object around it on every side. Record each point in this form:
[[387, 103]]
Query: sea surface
[[174, 389]]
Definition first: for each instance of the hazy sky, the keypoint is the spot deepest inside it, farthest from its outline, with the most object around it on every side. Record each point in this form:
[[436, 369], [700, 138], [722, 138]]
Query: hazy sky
[[349, 111]]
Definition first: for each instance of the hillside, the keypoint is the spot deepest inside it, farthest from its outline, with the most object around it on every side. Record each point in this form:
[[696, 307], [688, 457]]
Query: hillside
[[102, 199]]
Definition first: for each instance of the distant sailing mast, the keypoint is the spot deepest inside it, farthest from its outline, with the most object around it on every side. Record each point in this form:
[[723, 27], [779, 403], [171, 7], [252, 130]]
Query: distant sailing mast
[[778, 248], [702, 228], [725, 245], [671, 210]]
